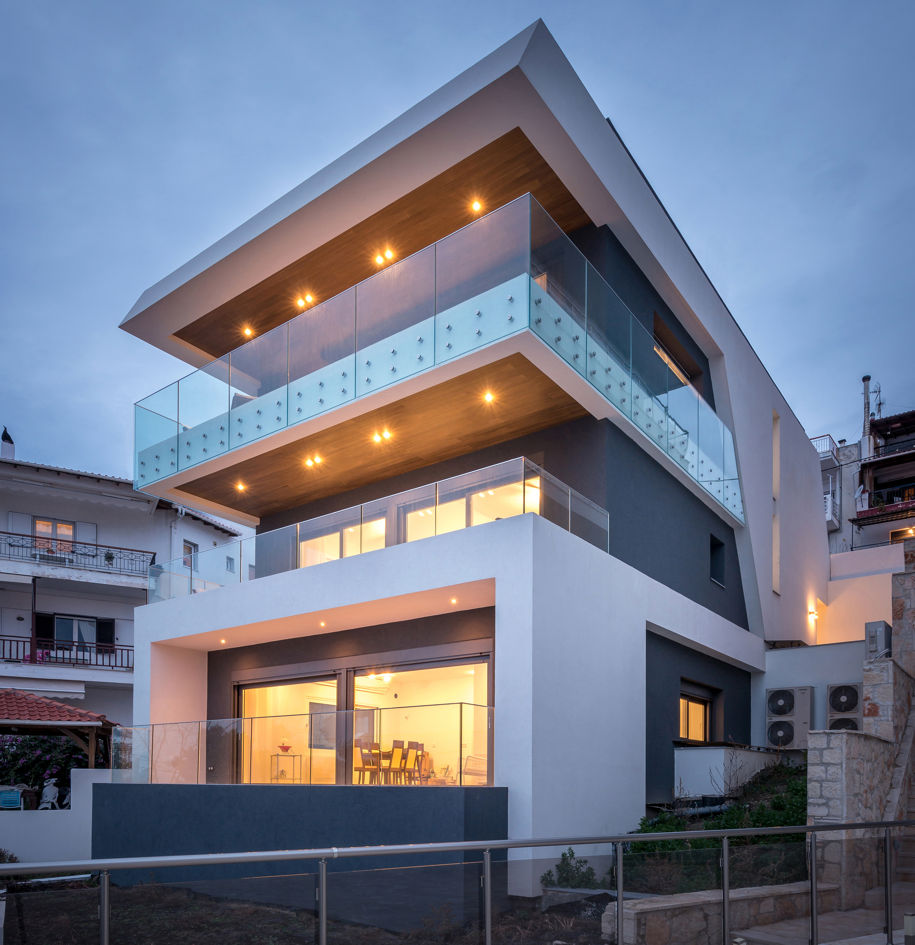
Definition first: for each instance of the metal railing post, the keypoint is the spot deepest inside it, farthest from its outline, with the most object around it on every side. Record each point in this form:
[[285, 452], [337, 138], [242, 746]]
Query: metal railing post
[[814, 936], [322, 902], [619, 893], [487, 898], [104, 907], [888, 870], [725, 893]]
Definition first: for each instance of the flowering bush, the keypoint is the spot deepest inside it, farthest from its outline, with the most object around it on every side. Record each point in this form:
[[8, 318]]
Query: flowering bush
[[32, 759]]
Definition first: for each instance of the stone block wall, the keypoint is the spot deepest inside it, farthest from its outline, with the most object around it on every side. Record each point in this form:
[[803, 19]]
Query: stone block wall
[[887, 694], [904, 611]]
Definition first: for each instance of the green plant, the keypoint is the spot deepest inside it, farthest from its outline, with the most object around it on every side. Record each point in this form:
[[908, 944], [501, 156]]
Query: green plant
[[572, 872], [32, 759]]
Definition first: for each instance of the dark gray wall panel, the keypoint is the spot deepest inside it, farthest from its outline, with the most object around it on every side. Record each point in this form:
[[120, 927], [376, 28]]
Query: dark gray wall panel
[[666, 663]]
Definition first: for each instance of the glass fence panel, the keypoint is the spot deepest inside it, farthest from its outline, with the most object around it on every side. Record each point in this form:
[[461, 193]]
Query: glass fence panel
[[609, 343], [546, 496], [682, 422], [589, 521], [222, 741], [43, 913], [332, 536], [155, 444], [272, 552], [483, 495], [130, 754], [476, 736], [731, 494], [203, 905], [481, 291], [407, 516], [322, 357], [168, 580], [212, 568], [290, 749], [404, 899], [558, 274], [175, 755], [203, 412], [711, 451], [258, 373], [395, 322], [649, 386]]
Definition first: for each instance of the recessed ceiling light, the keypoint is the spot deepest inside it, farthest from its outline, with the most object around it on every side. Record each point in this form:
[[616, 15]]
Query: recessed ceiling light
[[223, 642], [386, 434], [379, 260], [317, 458], [309, 462], [386, 677], [376, 438], [300, 303], [248, 331], [453, 600], [309, 298], [489, 397], [476, 206], [323, 624], [240, 486], [388, 254]]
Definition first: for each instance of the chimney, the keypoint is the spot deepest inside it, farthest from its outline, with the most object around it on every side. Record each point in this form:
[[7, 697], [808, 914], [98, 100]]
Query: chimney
[[866, 380], [7, 446]]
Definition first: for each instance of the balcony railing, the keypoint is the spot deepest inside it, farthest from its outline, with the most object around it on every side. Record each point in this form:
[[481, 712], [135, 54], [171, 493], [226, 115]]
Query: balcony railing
[[896, 446], [69, 553], [825, 446], [889, 503], [64, 653], [831, 507], [511, 488], [511, 271], [439, 745]]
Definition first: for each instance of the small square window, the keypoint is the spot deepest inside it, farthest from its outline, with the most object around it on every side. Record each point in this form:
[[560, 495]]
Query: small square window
[[694, 715], [189, 558], [230, 564], [716, 560]]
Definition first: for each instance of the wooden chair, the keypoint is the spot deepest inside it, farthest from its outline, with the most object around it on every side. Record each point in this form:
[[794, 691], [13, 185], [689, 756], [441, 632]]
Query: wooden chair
[[393, 772], [371, 764], [409, 763]]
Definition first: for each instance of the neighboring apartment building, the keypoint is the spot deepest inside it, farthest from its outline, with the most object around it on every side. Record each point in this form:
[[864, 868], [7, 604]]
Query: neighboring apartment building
[[74, 558], [481, 311]]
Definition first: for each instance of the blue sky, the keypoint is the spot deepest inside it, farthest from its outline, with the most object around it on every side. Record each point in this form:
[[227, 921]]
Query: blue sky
[[778, 134]]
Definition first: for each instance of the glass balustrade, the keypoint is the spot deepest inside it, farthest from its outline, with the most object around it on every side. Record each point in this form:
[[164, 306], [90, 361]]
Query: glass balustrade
[[512, 270], [435, 745], [504, 490]]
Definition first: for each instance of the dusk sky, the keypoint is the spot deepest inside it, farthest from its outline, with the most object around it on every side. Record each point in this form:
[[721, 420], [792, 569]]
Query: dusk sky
[[779, 135]]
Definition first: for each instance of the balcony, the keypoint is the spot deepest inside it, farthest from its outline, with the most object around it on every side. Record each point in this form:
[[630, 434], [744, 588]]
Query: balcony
[[831, 508], [514, 487], [826, 448], [68, 553], [58, 653], [427, 746], [511, 272], [887, 505]]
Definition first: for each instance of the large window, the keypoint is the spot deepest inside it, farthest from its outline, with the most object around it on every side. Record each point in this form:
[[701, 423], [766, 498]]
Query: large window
[[189, 559], [54, 536]]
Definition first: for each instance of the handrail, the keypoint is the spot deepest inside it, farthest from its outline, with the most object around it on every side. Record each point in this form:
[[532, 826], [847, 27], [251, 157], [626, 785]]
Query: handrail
[[53, 652], [77, 541], [75, 553], [399, 849]]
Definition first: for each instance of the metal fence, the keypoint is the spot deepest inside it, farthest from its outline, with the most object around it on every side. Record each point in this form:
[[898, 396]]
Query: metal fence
[[881, 831], [69, 553], [66, 653]]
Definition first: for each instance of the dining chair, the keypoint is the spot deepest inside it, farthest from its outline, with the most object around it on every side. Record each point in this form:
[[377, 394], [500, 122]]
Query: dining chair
[[371, 762], [409, 764], [393, 773]]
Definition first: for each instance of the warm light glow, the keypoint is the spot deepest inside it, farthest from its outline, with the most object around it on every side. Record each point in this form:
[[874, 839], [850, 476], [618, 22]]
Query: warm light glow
[[476, 206], [223, 642], [453, 600], [489, 397], [388, 254], [248, 332], [386, 434], [309, 462], [309, 298], [323, 624], [812, 614], [317, 458], [379, 260], [386, 677], [377, 438], [240, 486], [300, 303]]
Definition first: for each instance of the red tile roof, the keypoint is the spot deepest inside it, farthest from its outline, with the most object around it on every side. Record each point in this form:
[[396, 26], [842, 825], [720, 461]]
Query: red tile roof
[[17, 706]]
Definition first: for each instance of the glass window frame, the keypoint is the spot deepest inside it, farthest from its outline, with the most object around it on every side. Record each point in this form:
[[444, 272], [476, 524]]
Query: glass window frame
[[705, 705]]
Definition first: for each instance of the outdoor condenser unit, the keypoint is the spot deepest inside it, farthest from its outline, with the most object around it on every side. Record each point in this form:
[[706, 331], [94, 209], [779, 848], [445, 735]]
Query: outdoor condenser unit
[[843, 707], [788, 717]]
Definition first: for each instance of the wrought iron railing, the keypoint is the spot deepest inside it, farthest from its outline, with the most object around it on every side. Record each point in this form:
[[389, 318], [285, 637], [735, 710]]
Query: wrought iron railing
[[66, 653], [69, 553], [821, 847], [897, 446]]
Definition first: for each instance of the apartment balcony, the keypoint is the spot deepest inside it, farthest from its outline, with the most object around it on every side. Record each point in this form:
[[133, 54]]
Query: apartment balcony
[[17, 649], [436, 745], [40, 556], [832, 510], [886, 505], [306, 395], [514, 487], [826, 449]]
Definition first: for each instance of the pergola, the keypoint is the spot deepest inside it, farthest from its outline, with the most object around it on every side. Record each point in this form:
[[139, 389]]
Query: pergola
[[22, 713]]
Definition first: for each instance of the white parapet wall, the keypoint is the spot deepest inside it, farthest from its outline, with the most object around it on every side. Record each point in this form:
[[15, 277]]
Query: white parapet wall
[[36, 836], [719, 770]]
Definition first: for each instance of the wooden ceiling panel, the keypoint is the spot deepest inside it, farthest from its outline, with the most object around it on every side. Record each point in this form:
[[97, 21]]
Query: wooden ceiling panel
[[436, 424], [505, 169]]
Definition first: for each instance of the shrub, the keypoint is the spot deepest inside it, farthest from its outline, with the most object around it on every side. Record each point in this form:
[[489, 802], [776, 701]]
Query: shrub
[[572, 872], [32, 759]]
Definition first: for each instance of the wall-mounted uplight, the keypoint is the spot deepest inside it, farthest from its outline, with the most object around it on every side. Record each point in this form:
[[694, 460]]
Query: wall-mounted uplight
[[813, 614]]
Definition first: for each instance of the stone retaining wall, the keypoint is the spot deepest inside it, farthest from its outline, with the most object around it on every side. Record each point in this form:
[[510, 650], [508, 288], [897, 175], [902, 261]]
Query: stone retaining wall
[[887, 694], [904, 611], [695, 918]]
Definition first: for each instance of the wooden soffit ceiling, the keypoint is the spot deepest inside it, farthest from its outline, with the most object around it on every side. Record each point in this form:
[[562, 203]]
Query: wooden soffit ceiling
[[439, 423], [505, 169]]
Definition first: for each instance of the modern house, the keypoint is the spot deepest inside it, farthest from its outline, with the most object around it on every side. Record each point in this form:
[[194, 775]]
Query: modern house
[[75, 554], [525, 497]]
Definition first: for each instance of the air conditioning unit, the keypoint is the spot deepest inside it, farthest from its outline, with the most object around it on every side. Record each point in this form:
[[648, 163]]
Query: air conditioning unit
[[878, 635], [788, 717], [843, 707]]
